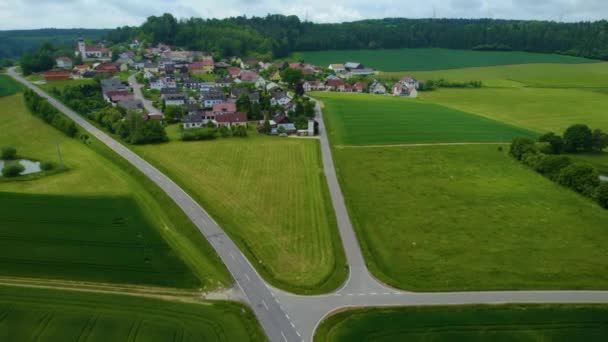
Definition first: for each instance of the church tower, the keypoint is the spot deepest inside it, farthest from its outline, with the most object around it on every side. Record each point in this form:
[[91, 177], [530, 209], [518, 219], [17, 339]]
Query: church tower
[[82, 48]]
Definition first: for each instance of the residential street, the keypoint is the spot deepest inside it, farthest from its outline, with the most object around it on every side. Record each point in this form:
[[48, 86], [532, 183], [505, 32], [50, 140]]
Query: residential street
[[140, 96], [288, 317]]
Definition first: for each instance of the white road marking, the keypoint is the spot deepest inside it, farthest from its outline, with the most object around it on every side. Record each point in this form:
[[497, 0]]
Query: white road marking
[[286, 315], [361, 294], [266, 306], [246, 276], [373, 293], [292, 325], [298, 333], [350, 294], [386, 293], [232, 256], [285, 338]]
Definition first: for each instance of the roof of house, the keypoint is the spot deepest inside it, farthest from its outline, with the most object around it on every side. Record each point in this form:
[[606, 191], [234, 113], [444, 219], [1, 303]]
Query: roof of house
[[254, 96], [97, 49], [64, 59], [281, 118], [131, 104], [193, 118], [107, 67], [334, 83], [223, 80], [359, 85], [408, 79], [249, 76], [233, 71], [232, 117], [56, 72], [224, 107], [336, 66], [353, 65], [81, 67], [214, 95]]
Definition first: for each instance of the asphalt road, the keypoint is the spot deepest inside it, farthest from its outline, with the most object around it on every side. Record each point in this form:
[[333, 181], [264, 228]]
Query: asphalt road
[[289, 317], [272, 317], [140, 96]]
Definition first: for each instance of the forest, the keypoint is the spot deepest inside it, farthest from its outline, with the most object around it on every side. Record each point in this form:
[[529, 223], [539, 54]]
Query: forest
[[277, 36]]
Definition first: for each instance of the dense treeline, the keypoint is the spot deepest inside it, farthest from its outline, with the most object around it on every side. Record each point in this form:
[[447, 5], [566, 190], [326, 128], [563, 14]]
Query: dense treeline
[[42, 109], [544, 158], [15, 43], [277, 35]]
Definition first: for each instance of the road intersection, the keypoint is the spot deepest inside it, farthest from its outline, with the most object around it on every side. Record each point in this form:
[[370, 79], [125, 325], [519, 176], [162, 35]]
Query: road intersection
[[288, 317]]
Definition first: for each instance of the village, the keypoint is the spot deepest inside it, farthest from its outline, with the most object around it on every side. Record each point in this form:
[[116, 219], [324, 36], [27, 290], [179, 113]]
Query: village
[[197, 91]]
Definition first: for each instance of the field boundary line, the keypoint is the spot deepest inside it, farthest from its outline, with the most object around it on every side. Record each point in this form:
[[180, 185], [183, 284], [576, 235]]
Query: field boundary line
[[422, 144]]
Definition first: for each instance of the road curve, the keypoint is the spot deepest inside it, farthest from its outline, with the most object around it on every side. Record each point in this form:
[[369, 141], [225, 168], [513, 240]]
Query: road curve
[[274, 320]]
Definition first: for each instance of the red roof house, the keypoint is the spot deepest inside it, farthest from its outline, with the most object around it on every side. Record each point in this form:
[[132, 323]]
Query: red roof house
[[56, 75], [107, 67], [232, 119]]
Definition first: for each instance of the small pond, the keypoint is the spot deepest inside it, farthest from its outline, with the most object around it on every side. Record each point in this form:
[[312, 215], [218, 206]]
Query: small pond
[[29, 165]]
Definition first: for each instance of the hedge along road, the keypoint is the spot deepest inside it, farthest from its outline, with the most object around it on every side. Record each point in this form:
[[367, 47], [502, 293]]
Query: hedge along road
[[288, 317]]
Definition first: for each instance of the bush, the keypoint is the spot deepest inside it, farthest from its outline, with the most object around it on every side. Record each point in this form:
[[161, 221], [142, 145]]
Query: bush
[[520, 147], [551, 166], [12, 169], [47, 166], [581, 178], [9, 153], [601, 195], [224, 131], [240, 131], [199, 134], [556, 143], [578, 138]]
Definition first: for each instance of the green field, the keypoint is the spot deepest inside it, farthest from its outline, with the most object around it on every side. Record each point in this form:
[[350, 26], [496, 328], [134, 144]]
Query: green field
[[271, 197], [8, 86], [28, 314], [432, 59], [93, 238], [438, 218], [537, 109], [469, 323], [59, 85], [588, 75], [598, 160], [361, 119], [95, 171]]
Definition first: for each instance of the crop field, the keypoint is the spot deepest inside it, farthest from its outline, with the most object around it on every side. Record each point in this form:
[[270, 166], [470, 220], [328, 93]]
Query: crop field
[[469, 323], [537, 109], [28, 314], [438, 218], [588, 75], [361, 119], [271, 196], [8, 86], [93, 171], [104, 239], [432, 59]]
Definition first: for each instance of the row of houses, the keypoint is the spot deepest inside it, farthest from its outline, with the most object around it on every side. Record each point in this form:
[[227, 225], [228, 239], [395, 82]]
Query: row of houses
[[407, 86]]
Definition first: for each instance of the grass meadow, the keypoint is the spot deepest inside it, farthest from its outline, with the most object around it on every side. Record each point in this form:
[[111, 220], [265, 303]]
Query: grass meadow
[[573, 322], [8, 86], [28, 314], [439, 218], [59, 85], [537, 109], [271, 196], [586, 75], [432, 59], [362, 119], [95, 171]]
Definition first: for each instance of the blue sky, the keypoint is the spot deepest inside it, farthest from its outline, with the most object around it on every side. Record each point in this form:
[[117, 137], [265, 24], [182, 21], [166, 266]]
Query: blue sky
[[24, 14]]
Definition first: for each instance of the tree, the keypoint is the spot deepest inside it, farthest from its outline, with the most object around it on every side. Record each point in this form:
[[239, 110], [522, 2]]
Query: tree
[[291, 76], [9, 153], [174, 113], [550, 166], [255, 113], [520, 147], [581, 178], [240, 131], [599, 140], [555, 142], [243, 104], [12, 169], [601, 195], [224, 131], [578, 138], [267, 127], [47, 166]]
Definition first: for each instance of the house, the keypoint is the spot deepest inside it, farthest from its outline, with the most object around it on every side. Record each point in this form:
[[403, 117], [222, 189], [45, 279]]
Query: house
[[208, 64], [224, 108], [63, 62], [232, 119], [197, 68], [377, 88], [177, 99], [313, 86], [221, 65], [399, 89], [360, 72], [250, 63], [283, 123], [359, 87], [56, 75], [335, 85], [280, 99], [115, 96], [151, 67], [194, 121], [353, 65], [131, 104], [91, 53], [337, 68], [113, 84], [107, 67], [81, 68], [223, 82], [409, 82], [237, 91], [233, 72], [254, 97], [212, 97], [249, 76]]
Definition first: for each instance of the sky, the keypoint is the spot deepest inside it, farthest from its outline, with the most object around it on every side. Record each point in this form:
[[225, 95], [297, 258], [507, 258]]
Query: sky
[[29, 14]]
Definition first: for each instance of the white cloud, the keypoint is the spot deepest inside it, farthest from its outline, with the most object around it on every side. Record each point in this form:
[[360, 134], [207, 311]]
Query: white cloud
[[19, 14]]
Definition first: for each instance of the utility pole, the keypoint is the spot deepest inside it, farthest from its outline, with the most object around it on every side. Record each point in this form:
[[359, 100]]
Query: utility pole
[[59, 154]]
